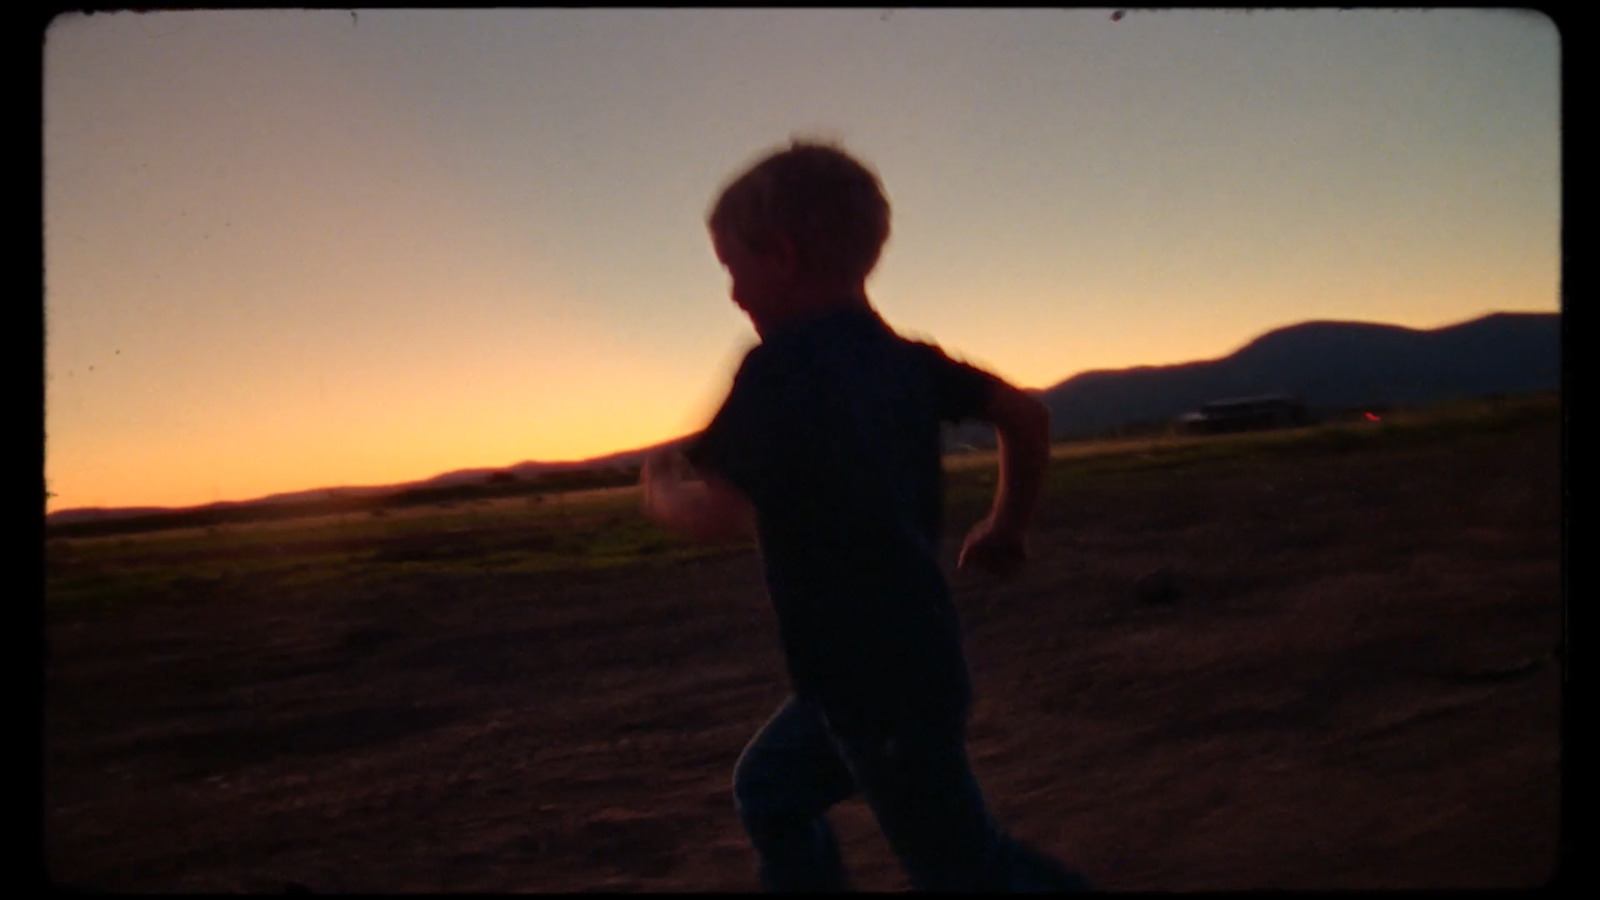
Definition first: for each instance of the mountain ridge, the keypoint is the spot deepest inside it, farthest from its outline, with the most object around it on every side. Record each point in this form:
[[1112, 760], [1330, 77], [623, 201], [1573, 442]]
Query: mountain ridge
[[1328, 364]]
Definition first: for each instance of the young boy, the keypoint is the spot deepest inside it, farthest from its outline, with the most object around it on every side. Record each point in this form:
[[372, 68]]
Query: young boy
[[827, 450]]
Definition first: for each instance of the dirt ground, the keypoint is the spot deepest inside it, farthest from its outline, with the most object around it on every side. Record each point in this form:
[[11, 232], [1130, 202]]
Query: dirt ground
[[1358, 686]]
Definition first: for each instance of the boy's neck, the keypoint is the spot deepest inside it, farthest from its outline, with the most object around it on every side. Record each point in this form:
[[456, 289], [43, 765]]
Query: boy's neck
[[812, 303]]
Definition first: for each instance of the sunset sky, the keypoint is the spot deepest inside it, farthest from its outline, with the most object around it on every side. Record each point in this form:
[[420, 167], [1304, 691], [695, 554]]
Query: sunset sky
[[298, 249]]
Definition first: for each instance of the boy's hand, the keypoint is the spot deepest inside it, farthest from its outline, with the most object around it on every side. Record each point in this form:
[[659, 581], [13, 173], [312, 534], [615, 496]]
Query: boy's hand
[[1022, 425], [993, 549], [662, 476], [706, 510], [663, 466]]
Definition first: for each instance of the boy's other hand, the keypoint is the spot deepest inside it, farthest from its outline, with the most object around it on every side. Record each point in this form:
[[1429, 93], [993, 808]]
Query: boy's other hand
[[664, 466], [993, 549], [709, 509], [662, 474]]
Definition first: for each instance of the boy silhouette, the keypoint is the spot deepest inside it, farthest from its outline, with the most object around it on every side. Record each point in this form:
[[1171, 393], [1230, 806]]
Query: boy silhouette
[[827, 450]]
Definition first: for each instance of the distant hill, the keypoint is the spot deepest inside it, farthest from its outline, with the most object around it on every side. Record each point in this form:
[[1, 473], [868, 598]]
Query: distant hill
[[1328, 365], [99, 513], [519, 478], [532, 469]]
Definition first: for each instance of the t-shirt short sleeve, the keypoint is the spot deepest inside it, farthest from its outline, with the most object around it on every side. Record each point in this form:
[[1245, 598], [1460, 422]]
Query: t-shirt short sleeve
[[740, 442], [961, 391]]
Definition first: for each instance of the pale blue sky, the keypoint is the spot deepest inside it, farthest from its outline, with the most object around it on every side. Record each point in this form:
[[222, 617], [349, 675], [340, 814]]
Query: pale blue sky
[[294, 249]]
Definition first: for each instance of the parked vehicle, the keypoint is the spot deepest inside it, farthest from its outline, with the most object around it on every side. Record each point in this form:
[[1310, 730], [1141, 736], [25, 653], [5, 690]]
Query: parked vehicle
[[1246, 414]]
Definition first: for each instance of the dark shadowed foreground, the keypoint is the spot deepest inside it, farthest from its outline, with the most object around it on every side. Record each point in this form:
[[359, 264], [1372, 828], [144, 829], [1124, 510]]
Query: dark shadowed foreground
[[1346, 676]]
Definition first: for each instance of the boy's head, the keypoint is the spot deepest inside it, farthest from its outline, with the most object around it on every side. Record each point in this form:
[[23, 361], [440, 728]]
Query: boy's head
[[809, 213]]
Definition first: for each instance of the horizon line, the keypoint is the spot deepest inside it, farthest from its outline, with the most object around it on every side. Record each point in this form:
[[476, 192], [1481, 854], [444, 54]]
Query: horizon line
[[401, 485]]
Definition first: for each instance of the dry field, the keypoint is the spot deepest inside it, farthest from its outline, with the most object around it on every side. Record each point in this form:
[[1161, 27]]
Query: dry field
[[1356, 683]]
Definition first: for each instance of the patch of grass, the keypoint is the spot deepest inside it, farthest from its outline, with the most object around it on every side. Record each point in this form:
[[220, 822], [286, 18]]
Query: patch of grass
[[104, 588], [595, 529]]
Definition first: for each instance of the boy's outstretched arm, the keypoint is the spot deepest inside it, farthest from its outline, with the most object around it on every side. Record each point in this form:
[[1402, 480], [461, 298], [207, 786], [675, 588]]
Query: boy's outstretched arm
[[1022, 425], [710, 510]]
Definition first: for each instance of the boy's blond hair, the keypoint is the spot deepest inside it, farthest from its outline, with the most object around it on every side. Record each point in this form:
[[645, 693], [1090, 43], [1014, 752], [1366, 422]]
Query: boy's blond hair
[[831, 206]]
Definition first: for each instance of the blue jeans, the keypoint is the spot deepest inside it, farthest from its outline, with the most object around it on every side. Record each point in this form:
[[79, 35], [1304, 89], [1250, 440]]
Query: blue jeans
[[920, 788]]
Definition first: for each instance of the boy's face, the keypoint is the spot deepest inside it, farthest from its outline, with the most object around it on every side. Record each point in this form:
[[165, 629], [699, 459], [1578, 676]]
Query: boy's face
[[761, 278]]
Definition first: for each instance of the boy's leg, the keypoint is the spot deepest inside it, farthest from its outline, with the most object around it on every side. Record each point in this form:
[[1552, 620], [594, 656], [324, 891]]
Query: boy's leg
[[785, 782], [932, 811], [1033, 872]]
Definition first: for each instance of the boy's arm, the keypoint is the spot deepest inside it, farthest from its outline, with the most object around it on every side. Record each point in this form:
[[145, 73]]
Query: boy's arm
[[711, 510], [1022, 425]]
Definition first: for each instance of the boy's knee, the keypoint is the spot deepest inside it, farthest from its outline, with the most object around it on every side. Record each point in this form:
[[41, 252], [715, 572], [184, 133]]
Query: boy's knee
[[748, 799], [766, 817], [766, 795], [759, 796]]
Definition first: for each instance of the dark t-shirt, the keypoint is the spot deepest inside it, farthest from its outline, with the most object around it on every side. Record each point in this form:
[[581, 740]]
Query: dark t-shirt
[[832, 430]]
